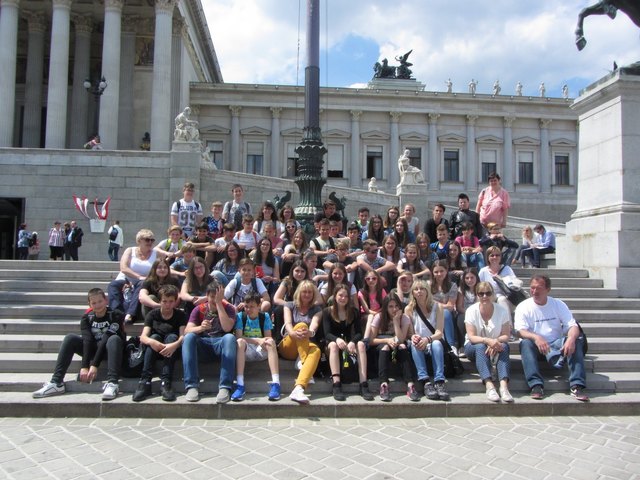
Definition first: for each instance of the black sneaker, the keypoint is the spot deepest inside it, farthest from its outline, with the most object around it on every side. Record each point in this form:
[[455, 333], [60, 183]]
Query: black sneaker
[[385, 396], [338, 396], [578, 393], [364, 391], [430, 391], [167, 392], [537, 392], [143, 391], [442, 391], [413, 394]]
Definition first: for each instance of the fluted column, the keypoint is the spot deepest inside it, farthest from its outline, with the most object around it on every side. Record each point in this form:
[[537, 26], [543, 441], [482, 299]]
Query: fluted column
[[394, 174], [161, 90], [471, 177], [110, 100], [508, 169], [127, 139], [545, 156], [355, 175], [235, 138], [57, 94], [177, 98], [434, 157], [83, 25], [32, 121], [8, 50], [276, 161]]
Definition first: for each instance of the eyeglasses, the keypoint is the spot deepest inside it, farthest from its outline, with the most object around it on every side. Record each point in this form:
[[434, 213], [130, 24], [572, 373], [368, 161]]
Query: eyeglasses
[[290, 226], [149, 240], [494, 255], [371, 278], [484, 294]]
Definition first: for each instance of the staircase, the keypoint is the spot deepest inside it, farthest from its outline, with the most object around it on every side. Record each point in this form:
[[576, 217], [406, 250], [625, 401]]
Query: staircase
[[42, 301]]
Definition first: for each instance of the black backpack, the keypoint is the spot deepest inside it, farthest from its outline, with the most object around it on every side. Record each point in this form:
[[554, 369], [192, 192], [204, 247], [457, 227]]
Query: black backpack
[[261, 319], [254, 287], [113, 234]]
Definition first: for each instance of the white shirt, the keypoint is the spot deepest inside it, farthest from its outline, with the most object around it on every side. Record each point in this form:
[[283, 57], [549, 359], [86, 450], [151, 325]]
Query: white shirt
[[486, 276], [493, 327], [551, 321]]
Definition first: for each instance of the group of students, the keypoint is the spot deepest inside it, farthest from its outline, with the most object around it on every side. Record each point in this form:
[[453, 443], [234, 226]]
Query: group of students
[[247, 289]]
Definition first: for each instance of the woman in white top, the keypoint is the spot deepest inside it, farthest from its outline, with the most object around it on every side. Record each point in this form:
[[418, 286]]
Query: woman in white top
[[487, 342], [494, 268]]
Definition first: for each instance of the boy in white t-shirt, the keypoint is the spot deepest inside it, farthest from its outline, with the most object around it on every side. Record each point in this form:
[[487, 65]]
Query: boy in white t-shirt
[[247, 238], [186, 212], [239, 287]]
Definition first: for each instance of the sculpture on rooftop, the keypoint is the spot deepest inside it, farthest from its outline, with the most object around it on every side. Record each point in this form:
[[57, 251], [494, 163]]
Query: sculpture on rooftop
[[186, 129], [384, 70]]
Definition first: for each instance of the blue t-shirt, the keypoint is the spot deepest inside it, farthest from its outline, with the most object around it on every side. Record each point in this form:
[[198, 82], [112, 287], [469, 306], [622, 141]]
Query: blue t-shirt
[[252, 329]]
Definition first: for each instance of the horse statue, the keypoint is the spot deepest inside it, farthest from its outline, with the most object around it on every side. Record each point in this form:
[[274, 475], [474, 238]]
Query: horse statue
[[383, 70], [610, 8]]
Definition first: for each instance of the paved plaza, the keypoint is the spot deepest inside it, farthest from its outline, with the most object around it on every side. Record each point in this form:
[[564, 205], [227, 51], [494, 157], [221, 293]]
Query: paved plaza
[[580, 448]]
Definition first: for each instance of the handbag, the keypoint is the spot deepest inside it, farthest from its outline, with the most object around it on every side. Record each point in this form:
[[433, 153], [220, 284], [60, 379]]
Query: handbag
[[133, 360], [514, 295], [452, 365]]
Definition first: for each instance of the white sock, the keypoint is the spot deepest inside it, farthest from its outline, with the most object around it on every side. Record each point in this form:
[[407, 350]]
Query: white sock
[[240, 380], [275, 377]]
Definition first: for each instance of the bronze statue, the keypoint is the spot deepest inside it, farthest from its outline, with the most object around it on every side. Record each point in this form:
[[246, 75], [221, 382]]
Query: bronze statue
[[384, 70], [403, 70], [610, 8]]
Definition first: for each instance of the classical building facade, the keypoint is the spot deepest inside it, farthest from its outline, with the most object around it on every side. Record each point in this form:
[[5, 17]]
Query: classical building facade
[[148, 51], [456, 139]]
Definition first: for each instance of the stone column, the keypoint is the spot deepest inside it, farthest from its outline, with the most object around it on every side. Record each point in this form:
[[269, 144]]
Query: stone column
[[545, 156], [434, 157], [394, 154], [355, 175], [276, 161], [128, 138], [177, 96], [32, 122], [110, 100], [471, 180], [81, 70], [508, 170], [235, 164], [8, 51], [161, 90], [57, 94]]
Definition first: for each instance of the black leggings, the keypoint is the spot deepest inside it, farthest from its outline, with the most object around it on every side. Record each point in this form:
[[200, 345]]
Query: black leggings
[[402, 356]]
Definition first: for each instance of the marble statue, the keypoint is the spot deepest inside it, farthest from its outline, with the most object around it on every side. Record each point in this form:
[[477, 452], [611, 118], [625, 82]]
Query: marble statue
[[472, 86], [186, 129], [373, 185], [496, 87], [409, 175], [542, 89], [519, 89], [449, 84], [565, 91]]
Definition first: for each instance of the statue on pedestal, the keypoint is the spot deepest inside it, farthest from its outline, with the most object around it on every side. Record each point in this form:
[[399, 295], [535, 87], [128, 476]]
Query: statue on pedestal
[[449, 85], [186, 129], [519, 89], [409, 175], [542, 89], [496, 87], [473, 84], [373, 185]]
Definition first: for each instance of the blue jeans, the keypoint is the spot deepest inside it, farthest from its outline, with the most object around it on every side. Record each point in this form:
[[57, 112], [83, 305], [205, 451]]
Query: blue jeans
[[113, 250], [474, 260], [117, 300], [223, 347], [449, 328], [477, 353], [436, 352], [530, 357]]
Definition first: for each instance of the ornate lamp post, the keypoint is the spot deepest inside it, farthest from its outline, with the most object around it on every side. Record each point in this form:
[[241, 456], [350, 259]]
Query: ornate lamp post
[[96, 90]]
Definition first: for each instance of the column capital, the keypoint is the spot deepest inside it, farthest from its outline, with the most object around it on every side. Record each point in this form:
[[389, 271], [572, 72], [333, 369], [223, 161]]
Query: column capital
[[235, 110], [275, 111], [61, 3], [179, 26], [82, 23], [130, 23], [355, 115], [36, 21], [471, 119], [113, 5], [10, 3], [395, 116], [508, 121], [545, 122], [433, 117], [165, 6]]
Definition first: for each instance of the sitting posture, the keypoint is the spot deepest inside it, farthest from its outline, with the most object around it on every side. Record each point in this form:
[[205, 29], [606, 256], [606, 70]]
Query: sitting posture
[[548, 330], [102, 334], [546, 244]]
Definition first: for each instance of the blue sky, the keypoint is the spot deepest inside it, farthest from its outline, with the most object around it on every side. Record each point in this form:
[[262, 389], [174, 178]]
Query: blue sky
[[263, 41]]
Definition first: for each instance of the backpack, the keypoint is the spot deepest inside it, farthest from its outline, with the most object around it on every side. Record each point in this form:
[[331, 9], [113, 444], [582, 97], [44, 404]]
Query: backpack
[[179, 203], [254, 287], [237, 214], [133, 360], [261, 319], [113, 234]]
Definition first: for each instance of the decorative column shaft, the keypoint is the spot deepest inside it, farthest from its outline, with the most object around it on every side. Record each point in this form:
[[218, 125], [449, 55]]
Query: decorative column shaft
[[8, 51], [434, 157], [355, 176], [110, 100], [471, 180], [32, 122], [81, 70], [58, 75], [508, 170], [394, 174], [545, 157], [128, 139], [235, 138], [160, 93], [276, 161], [179, 28]]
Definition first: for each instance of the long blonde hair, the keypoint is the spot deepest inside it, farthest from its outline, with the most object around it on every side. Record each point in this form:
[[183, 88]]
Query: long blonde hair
[[412, 300]]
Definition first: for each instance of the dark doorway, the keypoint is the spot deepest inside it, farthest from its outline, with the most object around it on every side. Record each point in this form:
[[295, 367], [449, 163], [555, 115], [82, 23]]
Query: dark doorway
[[11, 215]]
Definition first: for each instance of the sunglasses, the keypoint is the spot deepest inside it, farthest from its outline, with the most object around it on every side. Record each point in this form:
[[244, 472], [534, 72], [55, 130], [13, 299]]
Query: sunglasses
[[371, 278], [484, 294], [291, 226], [149, 239]]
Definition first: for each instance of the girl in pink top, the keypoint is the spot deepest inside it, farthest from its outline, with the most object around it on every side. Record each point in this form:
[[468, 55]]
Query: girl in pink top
[[494, 202]]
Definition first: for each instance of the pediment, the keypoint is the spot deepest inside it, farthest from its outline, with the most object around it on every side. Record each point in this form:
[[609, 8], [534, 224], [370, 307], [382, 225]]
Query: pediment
[[336, 133], [451, 138], [490, 139], [255, 131], [375, 135], [526, 141], [562, 142], [292, 132], [214, 129], [414, 136]]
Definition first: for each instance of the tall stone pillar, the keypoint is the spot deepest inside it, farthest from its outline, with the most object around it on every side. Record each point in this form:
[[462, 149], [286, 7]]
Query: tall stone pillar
[[508, 177], [8, 51], [161, 90], [178, 97], [545, 156], [32, 122], [355, 175], [394, 154], [235, 164], [81, 71], [276, 161], [110, 100], [57, 94], [434, 158], [471, 176], [126, 134]]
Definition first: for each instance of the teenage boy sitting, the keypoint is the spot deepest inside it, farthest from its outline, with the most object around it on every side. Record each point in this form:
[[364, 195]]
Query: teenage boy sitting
[[470, 245], [239, 287], [204, 244], [323, 244], [181, 265], [441, 247], [253, 332], [163, 334], [102, 334], [246, 238]]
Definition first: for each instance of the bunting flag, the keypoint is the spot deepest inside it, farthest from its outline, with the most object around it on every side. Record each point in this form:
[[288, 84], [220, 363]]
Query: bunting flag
[[81, 205]]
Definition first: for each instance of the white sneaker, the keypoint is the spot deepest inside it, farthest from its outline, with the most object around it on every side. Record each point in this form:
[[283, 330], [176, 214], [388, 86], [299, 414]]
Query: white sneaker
[[492, 395], [109, 391], [505, 395], [297, 395], [49, 389], [454, 350]]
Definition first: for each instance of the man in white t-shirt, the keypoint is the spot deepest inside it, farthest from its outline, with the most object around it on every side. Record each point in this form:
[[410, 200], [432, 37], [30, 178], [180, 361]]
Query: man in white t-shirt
[[186, 212], [548, 330]]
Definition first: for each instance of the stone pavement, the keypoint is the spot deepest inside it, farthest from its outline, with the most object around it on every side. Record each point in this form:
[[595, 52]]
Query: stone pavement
[[581, 448]]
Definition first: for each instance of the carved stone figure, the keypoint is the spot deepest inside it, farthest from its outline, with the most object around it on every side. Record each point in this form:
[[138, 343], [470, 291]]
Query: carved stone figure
[[373, 185], [409, 175], [565, 91], [519, 89], [186, 129], [496, 87], [472, 86], [449, 85], [542, 89]]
